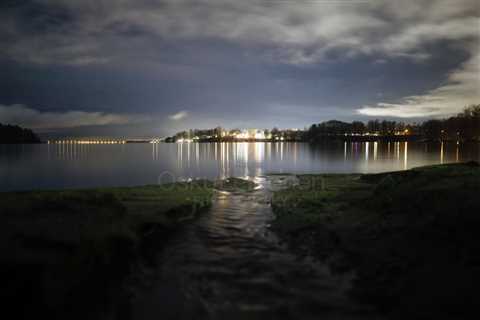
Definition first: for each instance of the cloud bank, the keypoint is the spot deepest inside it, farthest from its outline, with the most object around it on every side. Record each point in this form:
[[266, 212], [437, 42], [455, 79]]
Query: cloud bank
[[34, 119], [83, 33]]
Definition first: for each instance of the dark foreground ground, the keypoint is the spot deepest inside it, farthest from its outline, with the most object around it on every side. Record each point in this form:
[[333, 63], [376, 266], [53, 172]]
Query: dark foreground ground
[[411, 237], [68, 254]]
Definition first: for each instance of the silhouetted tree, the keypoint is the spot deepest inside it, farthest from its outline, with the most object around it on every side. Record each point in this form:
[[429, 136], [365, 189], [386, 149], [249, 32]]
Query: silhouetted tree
[[10, 134], [358, 127], [275, 133]]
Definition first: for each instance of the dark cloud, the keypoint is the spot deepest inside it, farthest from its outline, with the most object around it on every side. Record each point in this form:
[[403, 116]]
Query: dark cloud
[[35, 119]]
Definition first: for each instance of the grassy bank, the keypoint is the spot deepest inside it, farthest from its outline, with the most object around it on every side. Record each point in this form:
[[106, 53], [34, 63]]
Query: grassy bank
[[66, 252], [411, 236]]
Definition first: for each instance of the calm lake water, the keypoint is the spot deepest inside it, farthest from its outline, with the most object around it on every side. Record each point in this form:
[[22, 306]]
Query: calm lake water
[[48, 166]]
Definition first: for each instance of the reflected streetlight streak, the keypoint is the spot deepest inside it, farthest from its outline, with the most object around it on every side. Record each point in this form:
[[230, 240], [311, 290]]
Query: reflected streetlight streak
[[375, 149], [269, 151], [405, 157], [256, 155], [222, 160], [245, 156], [179, 154], [154, 151], [441, 153], [228, 158], [188, 155], [197, 154]]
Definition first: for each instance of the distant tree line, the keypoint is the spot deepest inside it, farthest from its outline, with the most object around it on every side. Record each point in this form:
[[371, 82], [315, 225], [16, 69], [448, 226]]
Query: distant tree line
[[373, 128], [10, 134], [464, 126]]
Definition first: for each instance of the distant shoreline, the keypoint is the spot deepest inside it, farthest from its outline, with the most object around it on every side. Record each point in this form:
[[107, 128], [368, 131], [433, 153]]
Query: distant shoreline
[[332, 139], [326, 139]]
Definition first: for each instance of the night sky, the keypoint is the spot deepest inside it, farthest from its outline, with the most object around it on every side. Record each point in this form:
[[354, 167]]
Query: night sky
[[145, 67]]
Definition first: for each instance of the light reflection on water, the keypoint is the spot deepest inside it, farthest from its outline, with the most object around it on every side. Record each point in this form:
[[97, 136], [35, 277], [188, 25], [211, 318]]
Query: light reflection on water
[[83, 165]]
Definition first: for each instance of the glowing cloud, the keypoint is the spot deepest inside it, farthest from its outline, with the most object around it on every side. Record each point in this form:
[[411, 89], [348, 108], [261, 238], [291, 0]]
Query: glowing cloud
[[461, 88], [179, 115]]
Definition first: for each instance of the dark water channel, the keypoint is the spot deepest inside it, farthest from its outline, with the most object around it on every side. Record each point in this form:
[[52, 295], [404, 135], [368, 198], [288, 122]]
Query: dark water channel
[[229, 265]]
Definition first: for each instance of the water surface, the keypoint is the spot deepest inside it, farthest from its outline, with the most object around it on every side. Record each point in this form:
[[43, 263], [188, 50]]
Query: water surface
[[50, 166]]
